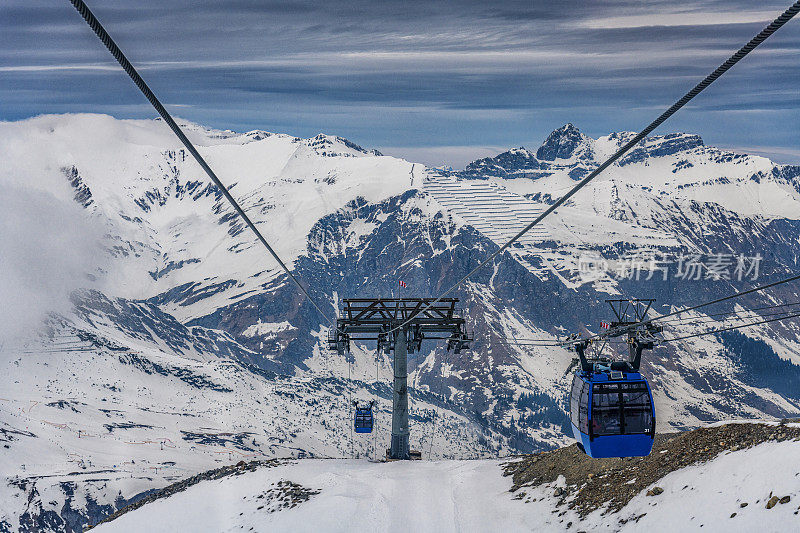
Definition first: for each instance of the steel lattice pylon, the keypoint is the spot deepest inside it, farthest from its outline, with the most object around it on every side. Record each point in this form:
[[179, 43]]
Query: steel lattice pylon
[[377, 319]]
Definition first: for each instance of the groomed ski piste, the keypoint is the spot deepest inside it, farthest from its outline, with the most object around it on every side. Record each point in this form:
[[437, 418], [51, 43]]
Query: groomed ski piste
[[739, 488]]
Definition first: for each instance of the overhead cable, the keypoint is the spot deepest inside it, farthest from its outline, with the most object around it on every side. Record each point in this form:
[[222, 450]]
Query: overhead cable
[[622, 329], [731, 328]]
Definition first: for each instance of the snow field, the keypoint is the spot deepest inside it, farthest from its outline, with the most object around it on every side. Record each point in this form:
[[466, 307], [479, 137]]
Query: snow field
[[467, 496]]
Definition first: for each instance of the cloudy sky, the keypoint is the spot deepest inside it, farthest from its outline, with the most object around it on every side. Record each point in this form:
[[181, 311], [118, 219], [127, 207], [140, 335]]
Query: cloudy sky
[[438, 82]]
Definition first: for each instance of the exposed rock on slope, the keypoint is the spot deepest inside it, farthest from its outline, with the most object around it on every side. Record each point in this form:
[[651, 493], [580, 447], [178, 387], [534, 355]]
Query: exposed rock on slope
[[594, 483]]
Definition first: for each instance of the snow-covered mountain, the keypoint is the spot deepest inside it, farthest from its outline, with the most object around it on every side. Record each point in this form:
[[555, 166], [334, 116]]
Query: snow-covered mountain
[[188, 347]]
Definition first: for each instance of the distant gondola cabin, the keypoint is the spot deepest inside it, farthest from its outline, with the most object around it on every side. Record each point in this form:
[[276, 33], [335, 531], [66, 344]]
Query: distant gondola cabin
[[363, 419]]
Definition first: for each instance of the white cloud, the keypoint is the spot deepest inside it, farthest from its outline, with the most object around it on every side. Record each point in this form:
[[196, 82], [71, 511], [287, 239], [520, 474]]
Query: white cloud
[[455, 156], [47, 249], [680, 19], [53, 68], [778, 154]]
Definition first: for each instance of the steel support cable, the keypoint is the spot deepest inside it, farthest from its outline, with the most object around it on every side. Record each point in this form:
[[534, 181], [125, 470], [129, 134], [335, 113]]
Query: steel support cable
[[727, 318], [732, 315], [722, 69], [796, 315], [692, 308], [523, 339], [676, 320], [727, 315], [106, 39], [543, 345], [729, 297], [781, 316], [737, 326]]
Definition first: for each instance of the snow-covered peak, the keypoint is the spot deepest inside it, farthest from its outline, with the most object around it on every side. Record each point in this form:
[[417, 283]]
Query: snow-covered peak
[[332, 145], [677, 167], [510, 163], [662, 145], [567, 142]]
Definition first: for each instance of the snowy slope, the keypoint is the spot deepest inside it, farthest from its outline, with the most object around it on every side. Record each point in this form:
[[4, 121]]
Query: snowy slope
[[711, 495], [97, 412], [168, 226], [172, 238], [474, 496], [399, 496]]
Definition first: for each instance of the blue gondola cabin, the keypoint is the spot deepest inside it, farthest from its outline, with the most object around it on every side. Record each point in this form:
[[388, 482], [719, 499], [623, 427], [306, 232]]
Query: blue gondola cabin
[[363, 419], [612, 413]]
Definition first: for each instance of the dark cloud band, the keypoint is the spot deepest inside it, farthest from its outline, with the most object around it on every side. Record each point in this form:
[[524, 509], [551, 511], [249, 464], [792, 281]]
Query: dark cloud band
[[410, 74]]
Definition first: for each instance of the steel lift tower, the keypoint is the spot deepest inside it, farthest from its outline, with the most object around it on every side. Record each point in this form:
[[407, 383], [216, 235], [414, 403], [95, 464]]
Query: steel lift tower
[[399, 325]]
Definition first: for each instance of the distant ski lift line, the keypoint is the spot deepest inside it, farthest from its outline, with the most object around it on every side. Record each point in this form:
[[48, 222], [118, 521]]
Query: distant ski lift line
[[731, 328], [728, 315], [708, 80]]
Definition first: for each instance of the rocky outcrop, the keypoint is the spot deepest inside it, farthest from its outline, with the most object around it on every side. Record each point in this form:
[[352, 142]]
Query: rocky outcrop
[[595, 483], [565, 143]]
